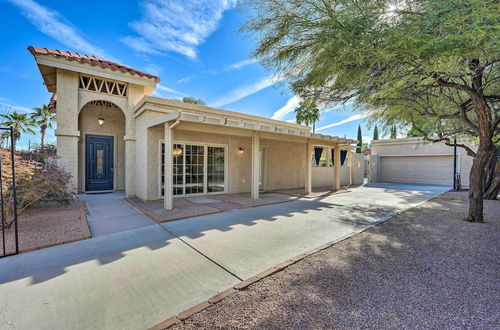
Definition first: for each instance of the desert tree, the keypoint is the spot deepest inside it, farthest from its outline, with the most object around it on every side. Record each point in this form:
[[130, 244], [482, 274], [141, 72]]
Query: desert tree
[[431, 65], [192, 100]]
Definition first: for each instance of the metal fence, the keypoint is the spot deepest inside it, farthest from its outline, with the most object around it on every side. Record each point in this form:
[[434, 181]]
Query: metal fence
[[12, 232]]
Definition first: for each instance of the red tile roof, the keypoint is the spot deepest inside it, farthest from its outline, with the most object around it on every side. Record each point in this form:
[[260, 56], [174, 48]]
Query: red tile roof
[[90, 59], [52, 102]]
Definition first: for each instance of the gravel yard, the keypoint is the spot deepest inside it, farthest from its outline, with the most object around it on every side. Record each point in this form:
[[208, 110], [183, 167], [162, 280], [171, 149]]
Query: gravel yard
[[425, 268], [47, 225]]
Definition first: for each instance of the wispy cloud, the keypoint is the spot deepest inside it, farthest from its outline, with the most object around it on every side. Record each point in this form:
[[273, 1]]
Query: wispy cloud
[[230, 67], [338, 106], [10, 107], [51, 23], [288, 108], [186, 79], [347, 120], [240, 64], [175, 25], [167, 90], [245, 91]]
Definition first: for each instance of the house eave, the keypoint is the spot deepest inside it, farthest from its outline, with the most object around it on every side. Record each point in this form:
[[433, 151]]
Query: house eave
[[186, 112], [62, 63]]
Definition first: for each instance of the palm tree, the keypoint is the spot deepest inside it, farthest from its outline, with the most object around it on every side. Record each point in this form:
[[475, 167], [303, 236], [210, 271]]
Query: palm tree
[[307, 113], [43, 117], [20, 123], [4, 139]]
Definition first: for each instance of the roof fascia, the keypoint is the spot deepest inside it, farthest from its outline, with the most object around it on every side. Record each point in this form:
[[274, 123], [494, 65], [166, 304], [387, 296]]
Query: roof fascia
[[61, 63]]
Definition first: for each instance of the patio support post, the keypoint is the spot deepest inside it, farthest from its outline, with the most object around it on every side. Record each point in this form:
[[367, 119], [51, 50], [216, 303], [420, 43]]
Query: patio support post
[[308, 176], [351, 164], [336, 167], [168, 201], [255, 165]]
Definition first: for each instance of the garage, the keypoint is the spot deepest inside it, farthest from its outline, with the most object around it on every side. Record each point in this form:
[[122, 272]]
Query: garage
[[432, 169]]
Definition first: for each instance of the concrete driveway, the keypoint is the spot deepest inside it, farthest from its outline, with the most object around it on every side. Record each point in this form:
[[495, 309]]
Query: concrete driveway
[[137, 278]]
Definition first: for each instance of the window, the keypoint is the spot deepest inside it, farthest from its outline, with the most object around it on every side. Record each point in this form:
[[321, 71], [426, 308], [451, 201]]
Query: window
[[100, 162], [194, 173], [215, 169], [197, 169]]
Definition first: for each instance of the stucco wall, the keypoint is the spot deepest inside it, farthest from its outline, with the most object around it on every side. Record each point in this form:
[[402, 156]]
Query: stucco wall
[[113, 126], [323, 176], [70, 136], [415, 147], [285, 164], [67, 122]]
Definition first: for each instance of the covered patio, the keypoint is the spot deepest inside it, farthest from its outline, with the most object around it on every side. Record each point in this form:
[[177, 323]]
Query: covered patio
[[213, 152]]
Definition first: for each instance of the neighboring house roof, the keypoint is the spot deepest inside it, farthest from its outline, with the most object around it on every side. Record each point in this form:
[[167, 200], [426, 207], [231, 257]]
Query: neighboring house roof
[[52, 102], [90, 59]]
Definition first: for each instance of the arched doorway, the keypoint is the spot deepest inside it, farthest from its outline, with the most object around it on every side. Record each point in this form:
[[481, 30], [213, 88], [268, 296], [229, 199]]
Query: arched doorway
[[101, 147]]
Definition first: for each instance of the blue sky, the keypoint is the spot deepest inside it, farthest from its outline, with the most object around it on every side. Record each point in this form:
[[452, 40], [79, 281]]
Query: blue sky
[[193, 46]]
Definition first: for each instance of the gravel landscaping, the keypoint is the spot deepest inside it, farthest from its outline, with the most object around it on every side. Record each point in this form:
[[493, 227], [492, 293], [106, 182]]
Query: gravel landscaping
[[425, 268], [47, 225]]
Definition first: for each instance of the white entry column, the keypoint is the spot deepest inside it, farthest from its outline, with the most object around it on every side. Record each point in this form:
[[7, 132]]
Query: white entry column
[[168, 201], [255, 165], [308, 168], [336, 167]]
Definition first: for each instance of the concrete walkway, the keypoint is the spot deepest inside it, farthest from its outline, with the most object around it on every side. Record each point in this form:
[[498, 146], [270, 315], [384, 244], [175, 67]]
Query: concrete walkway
[[137, 278], [110, 213]]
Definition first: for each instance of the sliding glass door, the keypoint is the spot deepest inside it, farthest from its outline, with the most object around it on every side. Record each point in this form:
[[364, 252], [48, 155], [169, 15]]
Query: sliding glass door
[[197, 169]]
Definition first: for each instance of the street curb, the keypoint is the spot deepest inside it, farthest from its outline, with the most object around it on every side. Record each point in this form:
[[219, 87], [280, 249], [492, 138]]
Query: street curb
[[243, 285]]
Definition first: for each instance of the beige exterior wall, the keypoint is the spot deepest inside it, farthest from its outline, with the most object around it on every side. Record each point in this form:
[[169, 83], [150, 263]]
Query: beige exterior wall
[[285, 168], [416, 147], [351, 173], [67, 124], [73, 124]]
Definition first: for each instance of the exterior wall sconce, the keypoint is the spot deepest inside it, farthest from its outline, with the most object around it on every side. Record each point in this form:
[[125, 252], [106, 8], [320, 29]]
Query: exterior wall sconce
[[240, 150]]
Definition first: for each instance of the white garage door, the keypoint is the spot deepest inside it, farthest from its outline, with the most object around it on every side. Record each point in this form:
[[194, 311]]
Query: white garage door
[[436, 170]]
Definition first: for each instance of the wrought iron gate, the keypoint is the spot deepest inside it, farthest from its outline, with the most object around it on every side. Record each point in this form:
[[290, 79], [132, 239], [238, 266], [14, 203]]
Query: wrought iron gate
[[10, 236]]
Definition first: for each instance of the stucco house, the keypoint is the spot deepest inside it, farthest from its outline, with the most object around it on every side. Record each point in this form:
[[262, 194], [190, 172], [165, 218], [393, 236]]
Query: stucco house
[[113, 135]]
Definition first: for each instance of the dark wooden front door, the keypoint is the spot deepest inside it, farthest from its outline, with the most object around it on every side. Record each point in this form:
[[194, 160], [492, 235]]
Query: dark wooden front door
[[98, 162]]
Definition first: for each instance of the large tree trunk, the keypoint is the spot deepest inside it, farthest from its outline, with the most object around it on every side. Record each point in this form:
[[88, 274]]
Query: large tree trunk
[[494, 189], [491, 182], [482, 156], [476, 188]]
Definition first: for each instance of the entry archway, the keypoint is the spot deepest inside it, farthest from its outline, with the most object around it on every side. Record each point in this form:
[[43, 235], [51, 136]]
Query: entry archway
[[101, 147]]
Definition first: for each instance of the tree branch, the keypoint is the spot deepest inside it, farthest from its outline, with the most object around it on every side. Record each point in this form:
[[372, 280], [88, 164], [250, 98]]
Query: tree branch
[[446, 141]]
